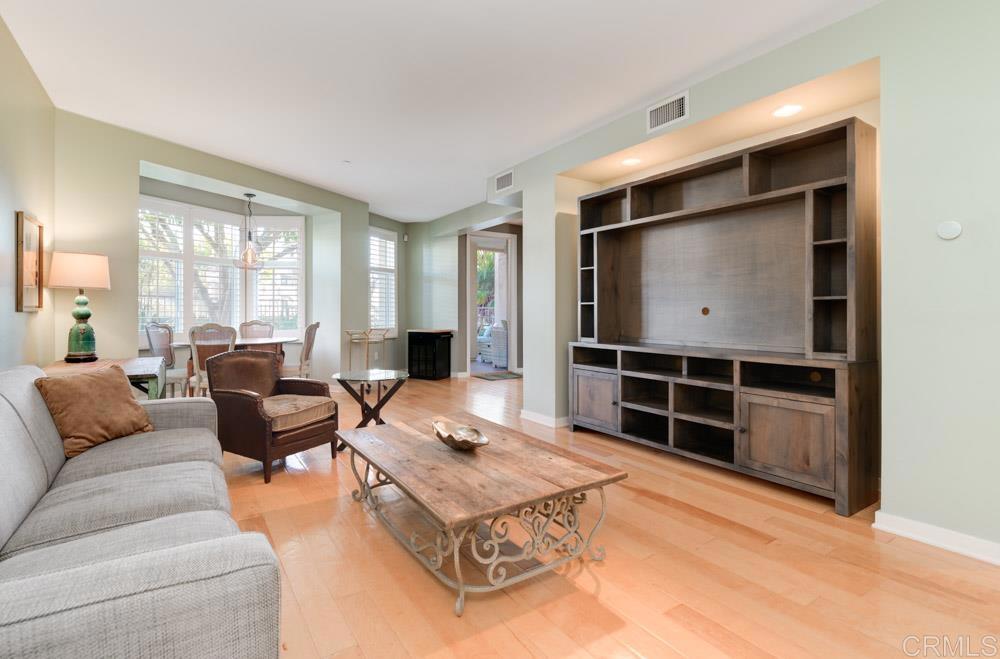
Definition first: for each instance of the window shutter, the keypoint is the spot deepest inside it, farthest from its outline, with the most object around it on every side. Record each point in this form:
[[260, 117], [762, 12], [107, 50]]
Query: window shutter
[[279, 287], [161, 291], [161, 266], [382, 279]]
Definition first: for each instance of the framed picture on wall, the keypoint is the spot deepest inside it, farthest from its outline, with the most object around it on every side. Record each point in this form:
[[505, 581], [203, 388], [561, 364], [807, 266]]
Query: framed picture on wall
[[30, 254]]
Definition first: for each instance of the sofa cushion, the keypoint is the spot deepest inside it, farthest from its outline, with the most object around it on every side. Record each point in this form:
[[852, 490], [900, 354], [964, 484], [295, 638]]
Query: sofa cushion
[[161, 533], [93, 407], [105, 502], [289, 411], [147, 449], [24, 479], [17, 385]]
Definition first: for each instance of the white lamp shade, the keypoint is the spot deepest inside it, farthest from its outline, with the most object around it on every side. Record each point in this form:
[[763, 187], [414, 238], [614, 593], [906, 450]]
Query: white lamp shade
[[74, 270]]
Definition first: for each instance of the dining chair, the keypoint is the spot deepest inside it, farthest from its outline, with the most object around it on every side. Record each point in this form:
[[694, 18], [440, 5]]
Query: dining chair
[[256, 329], [207, 341], [161, 338], [302, 369]]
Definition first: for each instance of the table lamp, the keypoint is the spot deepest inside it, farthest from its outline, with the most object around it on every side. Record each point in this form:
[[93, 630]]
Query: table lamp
[[80, 271]]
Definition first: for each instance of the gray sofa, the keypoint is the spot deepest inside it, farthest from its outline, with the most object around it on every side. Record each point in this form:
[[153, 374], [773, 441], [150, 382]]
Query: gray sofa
[[127, 550]]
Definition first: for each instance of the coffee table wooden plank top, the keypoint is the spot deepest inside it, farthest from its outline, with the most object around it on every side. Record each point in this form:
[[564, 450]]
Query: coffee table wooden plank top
[[458, 488]]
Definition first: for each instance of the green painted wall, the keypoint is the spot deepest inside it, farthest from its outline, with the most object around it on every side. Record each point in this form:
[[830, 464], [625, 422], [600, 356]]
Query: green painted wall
[[26, 184]]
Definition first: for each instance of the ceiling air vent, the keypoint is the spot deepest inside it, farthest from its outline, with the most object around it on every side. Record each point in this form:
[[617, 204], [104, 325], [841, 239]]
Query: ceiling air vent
[[667, 112], [504, 181]]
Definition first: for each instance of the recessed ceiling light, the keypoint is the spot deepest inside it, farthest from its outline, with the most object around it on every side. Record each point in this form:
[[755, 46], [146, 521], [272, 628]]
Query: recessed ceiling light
[[629, 162], [787, 110]]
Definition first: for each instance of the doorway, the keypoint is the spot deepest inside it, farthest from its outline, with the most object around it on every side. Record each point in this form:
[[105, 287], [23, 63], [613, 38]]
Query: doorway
[[492, 302]]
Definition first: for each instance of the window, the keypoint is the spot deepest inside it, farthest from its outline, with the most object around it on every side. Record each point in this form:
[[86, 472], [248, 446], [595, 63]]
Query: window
[[382, 279], [187, 276], [277, 288]]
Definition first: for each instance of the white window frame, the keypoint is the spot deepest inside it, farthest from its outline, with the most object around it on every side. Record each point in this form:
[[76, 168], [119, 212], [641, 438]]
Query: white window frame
[[247, 285], [385, 234]]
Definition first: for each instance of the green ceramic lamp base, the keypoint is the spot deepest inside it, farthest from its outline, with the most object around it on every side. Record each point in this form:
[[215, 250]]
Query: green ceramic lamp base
[[76, 359], [82, 345]]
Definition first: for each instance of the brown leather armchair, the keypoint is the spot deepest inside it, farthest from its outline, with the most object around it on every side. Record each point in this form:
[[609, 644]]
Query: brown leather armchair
[[264, 416]]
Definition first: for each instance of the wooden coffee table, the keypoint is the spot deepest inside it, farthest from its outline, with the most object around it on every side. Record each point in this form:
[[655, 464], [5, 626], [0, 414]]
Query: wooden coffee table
[[505, 512]]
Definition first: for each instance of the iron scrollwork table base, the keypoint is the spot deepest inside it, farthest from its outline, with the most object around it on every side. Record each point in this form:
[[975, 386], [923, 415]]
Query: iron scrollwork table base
[[552, 529]]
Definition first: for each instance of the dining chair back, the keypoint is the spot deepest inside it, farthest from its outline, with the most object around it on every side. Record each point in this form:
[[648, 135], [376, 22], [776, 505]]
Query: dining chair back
[[307, 349], [303, 368], [206, 341], [256, 329], [160, 337]]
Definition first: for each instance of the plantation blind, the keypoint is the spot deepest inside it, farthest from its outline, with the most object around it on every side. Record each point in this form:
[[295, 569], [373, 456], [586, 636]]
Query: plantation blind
[[382, 279]]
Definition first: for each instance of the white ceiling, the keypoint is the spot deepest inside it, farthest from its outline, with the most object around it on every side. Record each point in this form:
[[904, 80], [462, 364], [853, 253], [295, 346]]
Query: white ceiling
[[426, 99]]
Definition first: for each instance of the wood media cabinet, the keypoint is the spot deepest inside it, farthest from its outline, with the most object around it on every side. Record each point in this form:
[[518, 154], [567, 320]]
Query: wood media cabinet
[[728, 313]]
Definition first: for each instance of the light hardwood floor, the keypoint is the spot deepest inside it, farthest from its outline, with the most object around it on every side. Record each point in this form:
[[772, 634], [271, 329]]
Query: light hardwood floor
[[700, 562]]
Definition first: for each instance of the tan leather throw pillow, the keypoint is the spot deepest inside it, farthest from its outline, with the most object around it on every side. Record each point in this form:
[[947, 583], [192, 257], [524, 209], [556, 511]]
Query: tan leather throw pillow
[[93, 408]]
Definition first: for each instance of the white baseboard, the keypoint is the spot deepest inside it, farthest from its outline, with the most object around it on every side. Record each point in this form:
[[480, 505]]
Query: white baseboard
[[936, 536], [550, 421], [519, 371], [459, 374]]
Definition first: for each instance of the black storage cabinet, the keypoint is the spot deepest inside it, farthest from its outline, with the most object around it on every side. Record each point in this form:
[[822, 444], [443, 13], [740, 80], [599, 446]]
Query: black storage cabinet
[[430, 354]]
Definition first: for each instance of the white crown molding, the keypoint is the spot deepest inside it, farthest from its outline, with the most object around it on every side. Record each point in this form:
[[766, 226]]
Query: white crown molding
[[937, 536]]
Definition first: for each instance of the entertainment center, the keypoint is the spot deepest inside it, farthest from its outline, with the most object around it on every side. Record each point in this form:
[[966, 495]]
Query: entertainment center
[[728, 313]]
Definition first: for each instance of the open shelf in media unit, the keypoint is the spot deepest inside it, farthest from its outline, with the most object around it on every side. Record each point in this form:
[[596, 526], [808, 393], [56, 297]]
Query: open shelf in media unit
[[815, 382], [703, 371], [711, 183], [820, 156], [603, 209], [702, 440], [830, 270], [706, 405], [645, 395], [586, 286], [587, 251], [830, 326], [830, 214], [601, 358], [652, 365], [645, 426], [587, 321]]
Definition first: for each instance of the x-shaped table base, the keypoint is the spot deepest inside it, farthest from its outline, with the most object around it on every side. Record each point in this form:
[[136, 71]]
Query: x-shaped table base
[[370, 412]]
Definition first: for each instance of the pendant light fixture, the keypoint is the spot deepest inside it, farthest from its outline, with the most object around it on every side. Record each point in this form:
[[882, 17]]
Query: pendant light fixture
[[250, 256]]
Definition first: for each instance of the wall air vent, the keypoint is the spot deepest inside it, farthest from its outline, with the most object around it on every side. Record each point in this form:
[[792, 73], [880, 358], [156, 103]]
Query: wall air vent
[[504, 181], [667, 112]]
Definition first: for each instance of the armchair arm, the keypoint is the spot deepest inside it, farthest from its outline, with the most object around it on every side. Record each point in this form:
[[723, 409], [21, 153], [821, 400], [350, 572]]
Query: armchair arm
[[175, 413], [214, 598], [243, 426], [303, 387]]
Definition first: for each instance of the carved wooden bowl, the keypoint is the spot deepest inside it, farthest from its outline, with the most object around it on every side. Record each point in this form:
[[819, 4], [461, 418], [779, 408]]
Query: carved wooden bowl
[[461, 438]]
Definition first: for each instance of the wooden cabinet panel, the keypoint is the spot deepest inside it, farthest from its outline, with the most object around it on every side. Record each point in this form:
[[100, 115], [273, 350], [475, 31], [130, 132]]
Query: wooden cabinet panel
[[595, 398], [788, 438]]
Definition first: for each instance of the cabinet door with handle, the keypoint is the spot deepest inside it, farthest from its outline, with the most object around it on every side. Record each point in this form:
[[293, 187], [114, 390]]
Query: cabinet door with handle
[[595, 398], [788, 438]]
